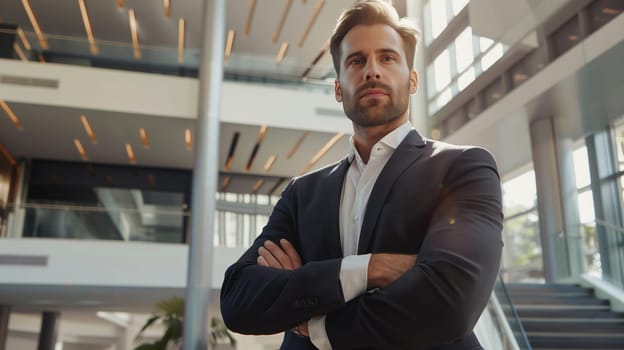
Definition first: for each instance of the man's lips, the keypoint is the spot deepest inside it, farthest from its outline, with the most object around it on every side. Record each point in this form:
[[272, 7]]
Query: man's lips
[[373, 93]]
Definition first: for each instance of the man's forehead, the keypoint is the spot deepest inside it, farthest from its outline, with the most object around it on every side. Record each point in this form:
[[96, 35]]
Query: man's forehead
[[373, 37]]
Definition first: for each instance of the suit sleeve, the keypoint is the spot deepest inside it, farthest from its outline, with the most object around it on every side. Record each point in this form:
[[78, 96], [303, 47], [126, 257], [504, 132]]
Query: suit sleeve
[[262, 300], [440, 299]]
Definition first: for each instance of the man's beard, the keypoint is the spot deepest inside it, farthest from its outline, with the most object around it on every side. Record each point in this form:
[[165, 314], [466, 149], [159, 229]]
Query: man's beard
[[374, 111]]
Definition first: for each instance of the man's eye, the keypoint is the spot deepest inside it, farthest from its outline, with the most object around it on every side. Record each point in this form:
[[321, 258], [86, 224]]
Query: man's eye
[[389, 58], [356, 61]]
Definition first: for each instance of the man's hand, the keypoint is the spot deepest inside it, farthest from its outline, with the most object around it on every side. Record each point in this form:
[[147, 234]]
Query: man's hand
[[284, 256], [384, 269]]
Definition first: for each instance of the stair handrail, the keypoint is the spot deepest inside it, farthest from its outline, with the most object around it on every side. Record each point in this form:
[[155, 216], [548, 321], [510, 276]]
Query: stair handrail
[[506, 328], [522, 337]]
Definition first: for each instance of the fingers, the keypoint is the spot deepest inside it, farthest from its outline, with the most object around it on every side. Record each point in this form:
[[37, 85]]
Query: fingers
[[279, 254], [268, 257], [262, 261], [284, 256], [386, 268], [292, 253]]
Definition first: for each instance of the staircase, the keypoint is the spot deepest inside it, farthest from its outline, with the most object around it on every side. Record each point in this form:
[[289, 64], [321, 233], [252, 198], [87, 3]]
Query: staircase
[[557, 316]]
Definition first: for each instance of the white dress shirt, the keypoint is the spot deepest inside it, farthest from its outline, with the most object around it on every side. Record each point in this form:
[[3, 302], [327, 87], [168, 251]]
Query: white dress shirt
[[356, 190]]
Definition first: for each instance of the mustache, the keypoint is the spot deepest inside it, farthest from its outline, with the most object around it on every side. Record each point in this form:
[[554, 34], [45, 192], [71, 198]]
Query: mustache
[[373, 85]]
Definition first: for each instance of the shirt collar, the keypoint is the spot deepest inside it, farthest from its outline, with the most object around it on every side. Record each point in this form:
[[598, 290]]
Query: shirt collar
[[393, 139]]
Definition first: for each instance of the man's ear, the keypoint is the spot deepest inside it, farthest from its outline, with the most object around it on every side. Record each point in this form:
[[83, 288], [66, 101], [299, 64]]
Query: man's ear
[[413, 87], [337, 91]]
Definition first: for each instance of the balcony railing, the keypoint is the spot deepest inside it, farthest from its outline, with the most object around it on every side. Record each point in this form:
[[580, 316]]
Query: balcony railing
[[235, 224]]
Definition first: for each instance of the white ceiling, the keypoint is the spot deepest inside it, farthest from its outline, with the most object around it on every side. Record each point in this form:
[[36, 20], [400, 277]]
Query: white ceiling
[[49, 131], [253, 53]]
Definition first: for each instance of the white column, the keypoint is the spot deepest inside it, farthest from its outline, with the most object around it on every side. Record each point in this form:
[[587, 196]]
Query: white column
[[205, 174], [418, 101]]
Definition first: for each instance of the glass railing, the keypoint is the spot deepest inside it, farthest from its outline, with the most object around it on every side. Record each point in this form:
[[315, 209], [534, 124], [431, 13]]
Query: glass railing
[[235, 224], [168, 60], [510, 327], [149, 224], [603, 251]]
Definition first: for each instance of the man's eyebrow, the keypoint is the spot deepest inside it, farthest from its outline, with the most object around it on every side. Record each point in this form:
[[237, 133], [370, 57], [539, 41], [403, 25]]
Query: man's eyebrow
[[353, 54], [393, 51], [382, 50]]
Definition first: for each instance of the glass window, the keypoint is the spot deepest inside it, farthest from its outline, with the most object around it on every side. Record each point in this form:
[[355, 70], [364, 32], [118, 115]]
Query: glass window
[[261, 221], [519, 193], [427, 23], [492, 56], [444, 97], [602, 11], [458, 5], [230, 229], [485, 43], [566, 36], [215, 237], [586, 210], [472, 108], [438, 17], [586, 207], [466, 78], [463, 49], [619, 143], [442, 70], [262, 199], [493, 92], [522, 252], [581, 167], [526, 67], [431, 90]]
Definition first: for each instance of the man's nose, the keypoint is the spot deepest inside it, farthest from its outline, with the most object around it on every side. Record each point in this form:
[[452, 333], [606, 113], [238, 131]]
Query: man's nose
[[372, 71]]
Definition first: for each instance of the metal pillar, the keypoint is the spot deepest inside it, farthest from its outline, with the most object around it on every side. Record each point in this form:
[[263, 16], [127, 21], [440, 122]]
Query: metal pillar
[[49, 330], [562, 243], [203, 207], [549, 198]]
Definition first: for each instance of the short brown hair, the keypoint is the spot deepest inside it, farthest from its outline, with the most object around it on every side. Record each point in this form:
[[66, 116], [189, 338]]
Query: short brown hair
[[369, 12]]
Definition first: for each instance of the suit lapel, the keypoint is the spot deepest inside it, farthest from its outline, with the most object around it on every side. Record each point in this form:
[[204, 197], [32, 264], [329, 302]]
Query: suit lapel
[[405, 155], [332, 192]]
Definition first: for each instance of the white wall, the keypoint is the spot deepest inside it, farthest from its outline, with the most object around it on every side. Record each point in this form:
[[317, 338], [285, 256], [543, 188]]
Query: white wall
[[21, 342], [503, 127], [169, 96], [107, 263]]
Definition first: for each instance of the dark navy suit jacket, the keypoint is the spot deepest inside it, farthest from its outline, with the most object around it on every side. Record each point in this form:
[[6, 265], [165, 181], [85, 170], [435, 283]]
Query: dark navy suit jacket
[[439, 201]]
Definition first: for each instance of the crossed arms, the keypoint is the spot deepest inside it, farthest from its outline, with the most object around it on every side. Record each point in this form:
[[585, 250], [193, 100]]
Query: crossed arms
[[435, 301], [383, 268]]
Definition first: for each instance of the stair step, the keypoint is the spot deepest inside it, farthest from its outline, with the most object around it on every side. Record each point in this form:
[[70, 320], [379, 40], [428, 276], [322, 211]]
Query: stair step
[[592, 327], [587, 313], [556, 300], [557, 307], [575, 341], [544, 286], [565, 291], [556, 316], [573, 320]]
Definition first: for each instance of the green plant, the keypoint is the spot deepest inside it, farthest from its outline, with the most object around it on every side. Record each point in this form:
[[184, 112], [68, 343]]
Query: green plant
[[170, 313]]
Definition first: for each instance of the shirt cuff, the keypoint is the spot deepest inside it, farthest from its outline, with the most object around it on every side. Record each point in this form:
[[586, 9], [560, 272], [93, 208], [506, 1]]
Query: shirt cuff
[[318, 334], [354, 275]]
